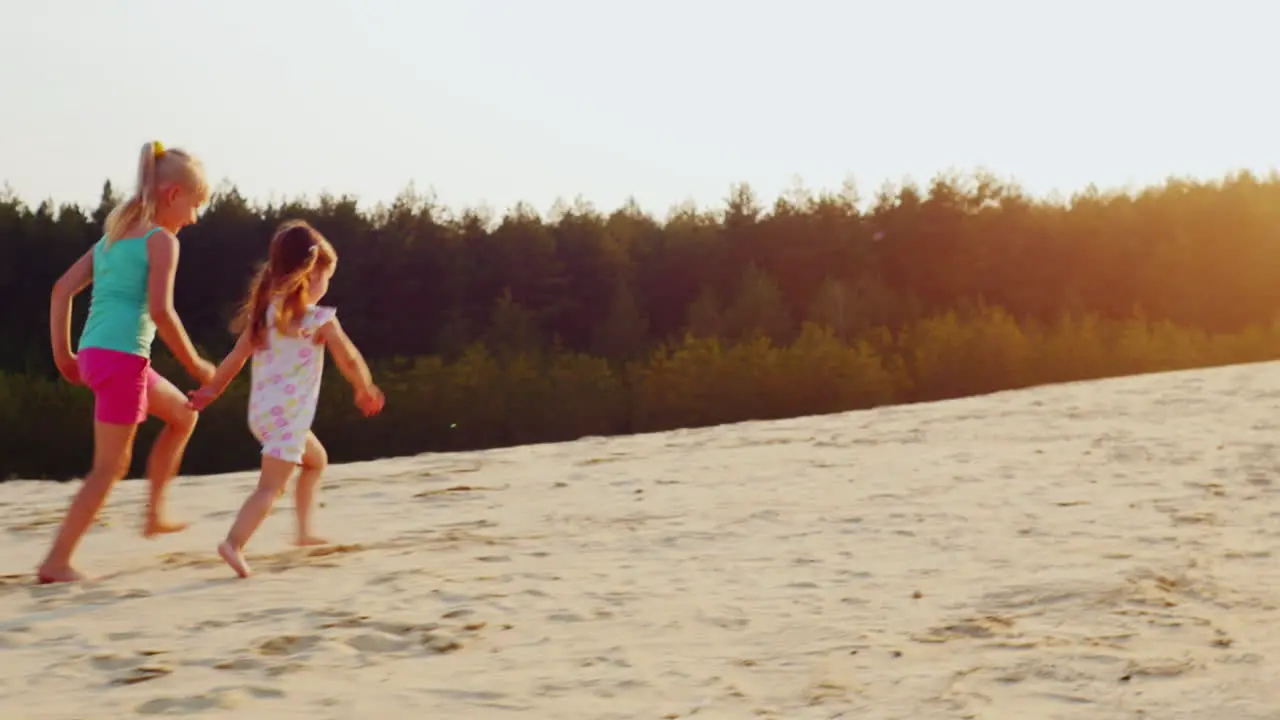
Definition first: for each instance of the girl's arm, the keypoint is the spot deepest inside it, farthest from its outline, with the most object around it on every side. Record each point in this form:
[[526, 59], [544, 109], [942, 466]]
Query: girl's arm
[[72, 283], [352, 365], [231, 366], [162, 252]]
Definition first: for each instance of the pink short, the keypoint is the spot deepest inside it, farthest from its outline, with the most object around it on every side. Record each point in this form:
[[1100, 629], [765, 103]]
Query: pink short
[[119, 382]]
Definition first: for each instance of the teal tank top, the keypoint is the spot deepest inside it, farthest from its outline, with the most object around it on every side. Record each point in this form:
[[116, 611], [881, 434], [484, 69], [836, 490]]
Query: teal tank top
[[118, 315]]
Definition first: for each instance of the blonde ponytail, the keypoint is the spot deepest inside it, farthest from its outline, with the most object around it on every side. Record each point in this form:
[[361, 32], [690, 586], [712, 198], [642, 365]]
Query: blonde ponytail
[[140, 208], [157, 166]]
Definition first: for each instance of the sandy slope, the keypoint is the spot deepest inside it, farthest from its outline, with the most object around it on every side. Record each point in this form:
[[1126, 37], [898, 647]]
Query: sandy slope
[[1097, 551]]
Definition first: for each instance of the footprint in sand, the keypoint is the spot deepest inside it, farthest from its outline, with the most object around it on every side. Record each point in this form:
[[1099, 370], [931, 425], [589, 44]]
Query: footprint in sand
[[238, 664], [370, 638], [182, 559], [114, 661], [724, 622], [983, 628], [221, 698], [63, 595], [1158, 667], [101, 597], [566, 617], [130, 668], [288, 644], [616, 457], [274, 562], [404, 628], [14, 583], [267, 614], [339, 619], [380, 642], [487, 698], [141, 674], [12, 640]]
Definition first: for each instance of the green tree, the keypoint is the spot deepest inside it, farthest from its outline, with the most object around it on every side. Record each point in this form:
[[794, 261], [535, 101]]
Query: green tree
[[705, 319], [513, 329], [757, 307], [624, 332]]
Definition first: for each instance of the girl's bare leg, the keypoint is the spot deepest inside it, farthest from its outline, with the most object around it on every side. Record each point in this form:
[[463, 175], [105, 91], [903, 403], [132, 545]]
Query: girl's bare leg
[[314, 461], [112, 452], [272, 482], [166, 402]]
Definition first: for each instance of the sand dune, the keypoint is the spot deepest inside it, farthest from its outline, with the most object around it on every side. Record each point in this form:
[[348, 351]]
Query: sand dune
[[1100, 550]]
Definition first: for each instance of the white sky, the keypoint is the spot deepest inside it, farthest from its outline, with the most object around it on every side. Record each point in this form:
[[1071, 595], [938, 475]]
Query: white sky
[[489, 101]]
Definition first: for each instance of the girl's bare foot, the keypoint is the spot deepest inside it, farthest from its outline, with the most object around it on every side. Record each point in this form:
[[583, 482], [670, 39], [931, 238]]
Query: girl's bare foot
[[155, 526], [47, 576], [310, 541], [234, 558]]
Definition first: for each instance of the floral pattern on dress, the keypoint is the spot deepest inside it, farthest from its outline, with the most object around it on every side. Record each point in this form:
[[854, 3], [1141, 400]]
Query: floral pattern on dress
[[286, 386]]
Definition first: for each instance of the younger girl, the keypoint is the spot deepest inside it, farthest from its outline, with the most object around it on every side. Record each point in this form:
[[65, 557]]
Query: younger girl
[[282, 329], [132, 270]]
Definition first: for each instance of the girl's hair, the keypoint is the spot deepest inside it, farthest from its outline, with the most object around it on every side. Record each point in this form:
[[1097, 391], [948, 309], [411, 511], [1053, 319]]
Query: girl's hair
[[297, 250], [157, 168]]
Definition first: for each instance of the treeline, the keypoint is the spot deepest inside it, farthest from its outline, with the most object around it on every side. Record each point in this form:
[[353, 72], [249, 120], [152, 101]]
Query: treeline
[[491, 330]]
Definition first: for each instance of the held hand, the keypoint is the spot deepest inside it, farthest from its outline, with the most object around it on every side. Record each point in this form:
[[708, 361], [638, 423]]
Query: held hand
[[203, 370], [200, 399], [69, 369], [371, 401]]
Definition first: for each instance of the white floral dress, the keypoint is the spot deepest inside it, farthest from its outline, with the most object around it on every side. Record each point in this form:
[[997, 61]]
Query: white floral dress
[[286, 386]]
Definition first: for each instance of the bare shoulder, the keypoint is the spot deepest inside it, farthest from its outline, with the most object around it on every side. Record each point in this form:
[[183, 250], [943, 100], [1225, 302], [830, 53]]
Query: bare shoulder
[[162, 242]]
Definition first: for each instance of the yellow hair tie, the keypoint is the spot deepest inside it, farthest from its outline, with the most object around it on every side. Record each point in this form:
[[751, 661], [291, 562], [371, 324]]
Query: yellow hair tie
[[159, 148]]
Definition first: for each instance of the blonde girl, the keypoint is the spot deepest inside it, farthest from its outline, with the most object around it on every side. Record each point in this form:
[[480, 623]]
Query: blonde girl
[[132, 271]]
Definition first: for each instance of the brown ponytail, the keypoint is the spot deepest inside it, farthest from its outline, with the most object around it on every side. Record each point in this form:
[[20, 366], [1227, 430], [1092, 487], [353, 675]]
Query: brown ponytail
[[297, 250]]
